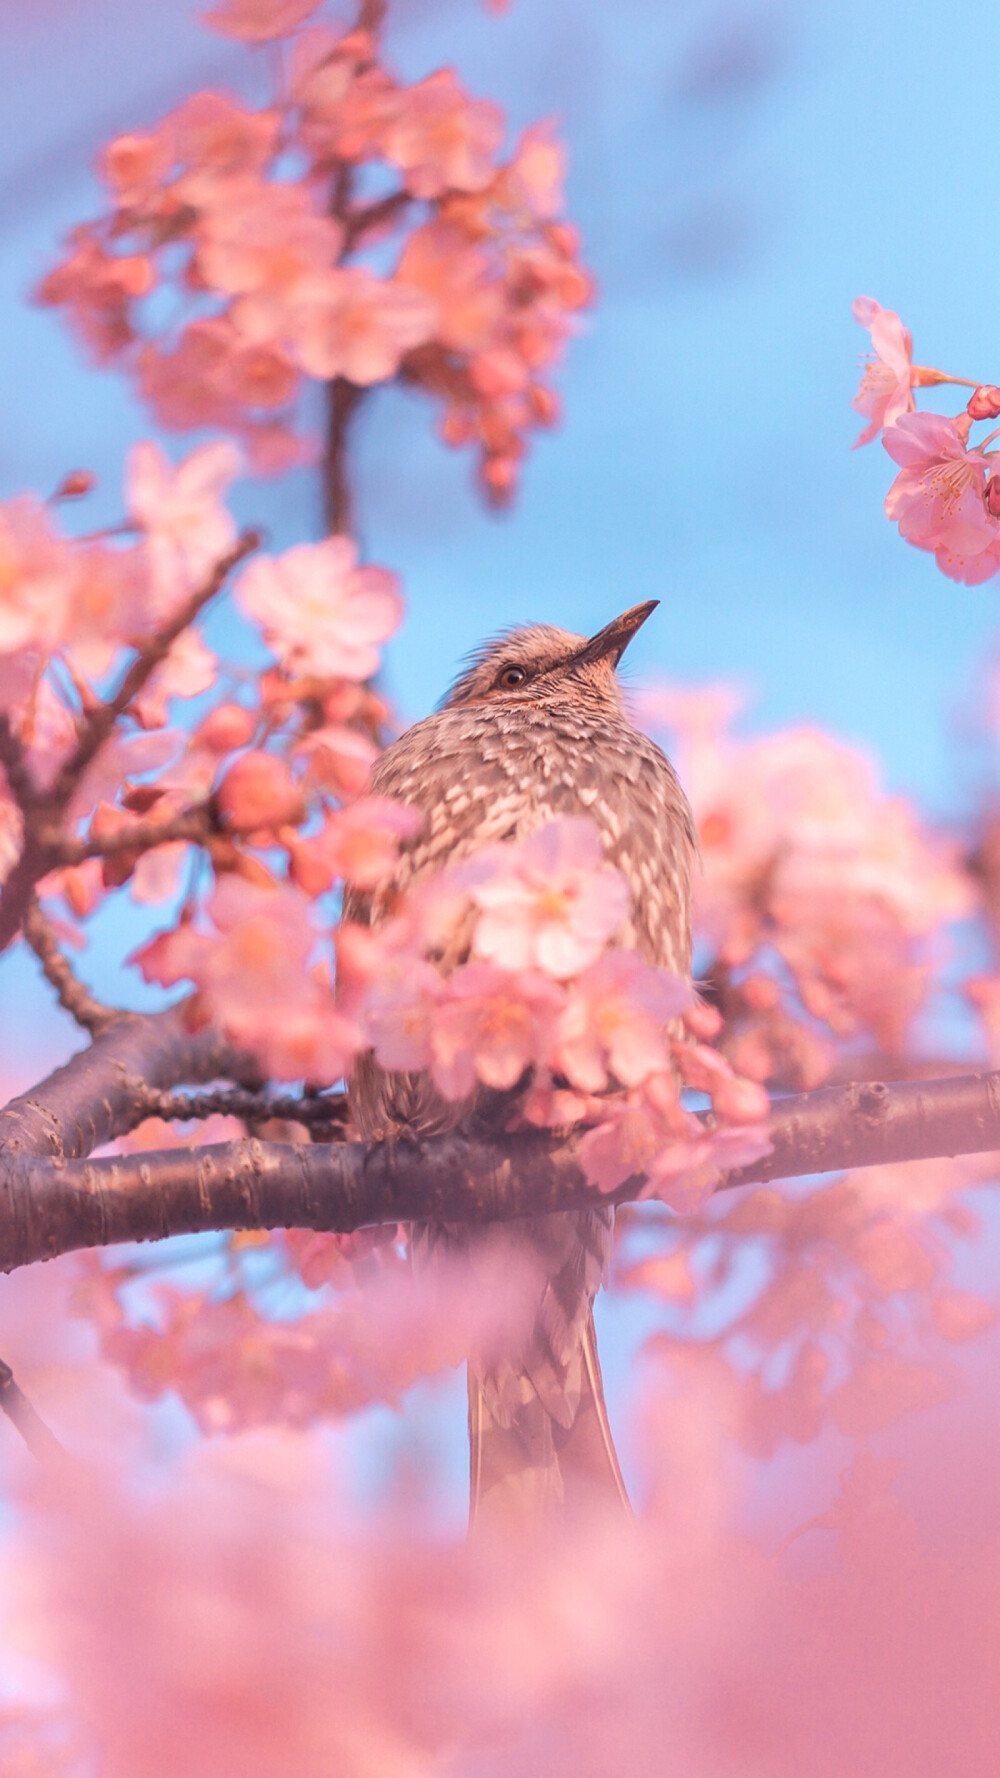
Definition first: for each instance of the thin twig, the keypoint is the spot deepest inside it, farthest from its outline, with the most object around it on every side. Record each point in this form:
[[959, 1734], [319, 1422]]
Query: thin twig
[[42, 1443], [142, 836], [253, 1108], [98, 724], [73, 996]]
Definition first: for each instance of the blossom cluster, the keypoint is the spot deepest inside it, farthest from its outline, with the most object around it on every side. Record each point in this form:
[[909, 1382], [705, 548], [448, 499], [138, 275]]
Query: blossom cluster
[[292, 751], [946, 497], [822, 903], [461, 278], [545, 999]]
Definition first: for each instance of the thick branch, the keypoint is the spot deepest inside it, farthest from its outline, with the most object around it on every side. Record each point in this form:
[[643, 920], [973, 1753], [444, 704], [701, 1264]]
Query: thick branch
[[57, 1206]]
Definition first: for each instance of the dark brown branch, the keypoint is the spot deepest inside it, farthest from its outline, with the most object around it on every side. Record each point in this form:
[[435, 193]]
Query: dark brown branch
[[73, 996], [57, 1206], [42, 1443], [343, 399], [141, 836], [253, 1108]]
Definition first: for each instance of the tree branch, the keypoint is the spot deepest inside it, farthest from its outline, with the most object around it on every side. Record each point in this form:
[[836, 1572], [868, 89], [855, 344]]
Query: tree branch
[[56, 1206], [71, 993]]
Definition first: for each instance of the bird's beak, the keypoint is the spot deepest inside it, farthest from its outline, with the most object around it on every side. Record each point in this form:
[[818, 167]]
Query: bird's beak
[[611, 642]]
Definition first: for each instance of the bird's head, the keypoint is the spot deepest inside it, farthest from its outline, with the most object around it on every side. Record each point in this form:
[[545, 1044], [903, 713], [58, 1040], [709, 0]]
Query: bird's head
[[540, 662]]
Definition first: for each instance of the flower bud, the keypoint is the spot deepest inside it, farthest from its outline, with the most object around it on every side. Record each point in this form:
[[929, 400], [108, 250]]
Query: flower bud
[[991, 496], [984, 403], [225, 728], [258, 791]]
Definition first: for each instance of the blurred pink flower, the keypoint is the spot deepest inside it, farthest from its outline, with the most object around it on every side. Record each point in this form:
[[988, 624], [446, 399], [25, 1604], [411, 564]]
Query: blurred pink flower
[[440, 138], [320, 612], [937, 498], [254, 978], [886, 389], [258, 238], [180, 510], [359, 843], [38, 576], [349, 323], [549, 902], [258, 21]]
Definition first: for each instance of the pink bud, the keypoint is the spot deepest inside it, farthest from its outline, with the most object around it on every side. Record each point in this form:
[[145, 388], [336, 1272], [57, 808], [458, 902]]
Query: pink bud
[[984, 403], [227, 727], [258, 791], [77, 483], [991, 495]]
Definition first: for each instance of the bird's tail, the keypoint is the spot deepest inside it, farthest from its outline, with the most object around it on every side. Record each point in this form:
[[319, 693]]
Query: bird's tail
[[528, 1462]]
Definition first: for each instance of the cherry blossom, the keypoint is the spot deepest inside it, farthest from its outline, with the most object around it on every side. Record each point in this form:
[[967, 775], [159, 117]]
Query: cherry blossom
[[254, 979], [615, 1021], [319, 611], [180, 509], [886, 389], [258, 21], [354, 325], [937, 498], [550, 902], [37, 577], [441, 138]]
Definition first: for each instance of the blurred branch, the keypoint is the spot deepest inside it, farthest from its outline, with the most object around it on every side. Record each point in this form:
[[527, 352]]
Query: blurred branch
[[42, 1443], [44, 812], [71, 993], [55, 1206]]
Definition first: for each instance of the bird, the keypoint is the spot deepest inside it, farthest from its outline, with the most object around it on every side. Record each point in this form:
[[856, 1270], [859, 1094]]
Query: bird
[[534, 728]]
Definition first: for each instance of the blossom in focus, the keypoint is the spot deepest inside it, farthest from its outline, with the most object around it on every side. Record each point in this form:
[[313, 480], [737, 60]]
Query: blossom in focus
[[549, 902], [180, 510], [886, 389], [937, 499], [320, 612], [491, 1025], [614, 1021]]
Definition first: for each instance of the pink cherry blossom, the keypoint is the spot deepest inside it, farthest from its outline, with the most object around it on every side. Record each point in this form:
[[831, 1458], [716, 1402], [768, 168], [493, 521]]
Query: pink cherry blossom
[[490, 1025], [220, 138], [319, 611], [258, 794], [258, 21], [38, 575], [338, 757], [886, 389], [615, 1019], [537, 171], [189, 669], [186, 526], [359, 843], [256, 238], [937, 498], [550, 902], [354, 325], [254, 978], [441, 138]]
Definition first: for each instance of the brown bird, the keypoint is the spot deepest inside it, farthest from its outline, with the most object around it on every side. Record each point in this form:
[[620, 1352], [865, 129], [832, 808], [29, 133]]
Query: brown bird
[[534, 728]]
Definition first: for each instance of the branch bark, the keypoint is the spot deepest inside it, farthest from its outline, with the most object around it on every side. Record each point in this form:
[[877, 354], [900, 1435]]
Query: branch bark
[[52, 1202]]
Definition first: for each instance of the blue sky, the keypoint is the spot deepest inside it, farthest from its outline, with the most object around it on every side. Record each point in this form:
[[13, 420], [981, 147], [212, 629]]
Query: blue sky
[[740, 171]]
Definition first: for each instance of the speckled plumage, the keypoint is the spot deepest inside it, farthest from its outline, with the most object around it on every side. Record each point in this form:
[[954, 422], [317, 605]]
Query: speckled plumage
[[496, 761]]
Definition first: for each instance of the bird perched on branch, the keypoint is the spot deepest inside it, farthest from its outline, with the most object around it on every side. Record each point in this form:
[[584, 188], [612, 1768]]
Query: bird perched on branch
[[535, 728]]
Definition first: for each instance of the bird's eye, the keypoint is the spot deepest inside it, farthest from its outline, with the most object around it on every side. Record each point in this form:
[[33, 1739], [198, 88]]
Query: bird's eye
[[512, 676]]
